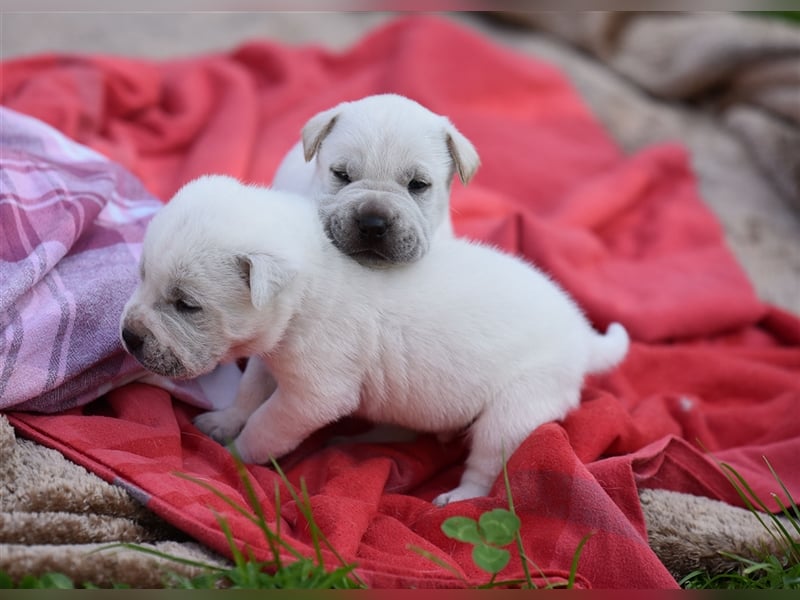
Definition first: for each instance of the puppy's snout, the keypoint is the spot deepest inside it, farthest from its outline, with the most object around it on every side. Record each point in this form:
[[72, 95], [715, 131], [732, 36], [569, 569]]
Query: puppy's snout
[[372, 225], [133, 341]]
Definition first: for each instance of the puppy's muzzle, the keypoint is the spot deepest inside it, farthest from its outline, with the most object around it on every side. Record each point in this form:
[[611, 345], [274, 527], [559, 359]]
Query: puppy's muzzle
[[140, 343], [375, 227]]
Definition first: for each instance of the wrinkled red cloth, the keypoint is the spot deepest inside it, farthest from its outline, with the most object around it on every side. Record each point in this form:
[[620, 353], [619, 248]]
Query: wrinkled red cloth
[[713, 373]]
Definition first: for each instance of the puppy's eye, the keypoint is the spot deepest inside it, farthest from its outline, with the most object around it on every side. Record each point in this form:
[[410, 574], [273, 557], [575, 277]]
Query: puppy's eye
[[340, 174], [418, 185], [184, 307]]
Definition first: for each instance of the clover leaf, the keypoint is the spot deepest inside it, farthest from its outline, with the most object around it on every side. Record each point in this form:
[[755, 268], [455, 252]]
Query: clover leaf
[[490, 559], [498, 527], [494, 529], [462, 529]]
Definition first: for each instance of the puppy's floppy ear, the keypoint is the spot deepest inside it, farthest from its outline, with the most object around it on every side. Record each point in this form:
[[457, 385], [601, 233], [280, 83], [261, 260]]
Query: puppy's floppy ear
[[265, 276], [316, 129], [463, 152]]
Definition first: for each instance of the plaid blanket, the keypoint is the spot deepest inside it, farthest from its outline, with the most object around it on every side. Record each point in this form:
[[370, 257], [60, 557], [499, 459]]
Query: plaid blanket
[[629, 236], [72, 225]]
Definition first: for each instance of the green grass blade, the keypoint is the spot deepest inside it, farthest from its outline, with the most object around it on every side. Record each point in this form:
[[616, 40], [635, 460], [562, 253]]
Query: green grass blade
[[273, 539], [740, 485], [337, 575], [277, 510], [238, 556], [164, 555], [691, 578], [573, 571], [792, 543], [518, 537], [255, 505], [309, 516], [252, 498], [242, 510], [770, 571], [792, 503], [783, 487], [304, 505]]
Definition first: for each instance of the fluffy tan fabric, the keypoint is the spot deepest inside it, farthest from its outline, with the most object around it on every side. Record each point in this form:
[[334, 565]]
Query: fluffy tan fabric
[[689, 533]]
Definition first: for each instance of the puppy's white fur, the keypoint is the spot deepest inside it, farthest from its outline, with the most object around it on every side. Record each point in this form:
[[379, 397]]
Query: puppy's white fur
[[467, 337]]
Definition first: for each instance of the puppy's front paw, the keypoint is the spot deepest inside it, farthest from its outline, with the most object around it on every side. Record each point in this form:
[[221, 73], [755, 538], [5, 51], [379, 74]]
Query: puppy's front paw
[[221, 425], [251, 454], [462, 492]]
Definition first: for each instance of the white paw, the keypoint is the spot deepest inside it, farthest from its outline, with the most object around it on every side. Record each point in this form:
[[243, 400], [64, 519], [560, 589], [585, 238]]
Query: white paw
[[462, 492], [221, 425], [249, 454]]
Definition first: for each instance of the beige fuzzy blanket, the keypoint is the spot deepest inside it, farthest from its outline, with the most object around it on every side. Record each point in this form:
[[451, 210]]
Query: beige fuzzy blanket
[[725, 85]]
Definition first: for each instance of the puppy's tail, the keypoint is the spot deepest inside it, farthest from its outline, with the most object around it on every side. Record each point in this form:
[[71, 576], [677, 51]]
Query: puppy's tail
[[607, 351]]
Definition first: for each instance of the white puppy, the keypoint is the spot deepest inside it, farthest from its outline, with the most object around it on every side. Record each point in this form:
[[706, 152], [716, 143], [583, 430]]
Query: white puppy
[[466, 337], [380, 169]]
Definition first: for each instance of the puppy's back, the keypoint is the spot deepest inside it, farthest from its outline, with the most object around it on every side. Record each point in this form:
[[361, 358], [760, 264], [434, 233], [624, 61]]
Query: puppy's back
[[481, 280], [467, 303]]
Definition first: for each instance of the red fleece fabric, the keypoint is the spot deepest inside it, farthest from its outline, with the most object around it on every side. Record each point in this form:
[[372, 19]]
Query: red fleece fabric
[[713, 373]]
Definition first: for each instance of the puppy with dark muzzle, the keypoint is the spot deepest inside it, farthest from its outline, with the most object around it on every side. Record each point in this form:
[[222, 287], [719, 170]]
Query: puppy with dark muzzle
[[380, 170]]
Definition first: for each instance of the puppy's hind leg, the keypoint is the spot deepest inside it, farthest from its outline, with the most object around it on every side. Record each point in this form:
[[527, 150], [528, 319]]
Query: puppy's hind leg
[[490, 440], [256, 385], [499, 431]]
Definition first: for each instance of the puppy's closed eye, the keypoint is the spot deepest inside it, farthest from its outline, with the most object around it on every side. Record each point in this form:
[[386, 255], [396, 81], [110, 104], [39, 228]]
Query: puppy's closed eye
[[182, 306], [340, 174]]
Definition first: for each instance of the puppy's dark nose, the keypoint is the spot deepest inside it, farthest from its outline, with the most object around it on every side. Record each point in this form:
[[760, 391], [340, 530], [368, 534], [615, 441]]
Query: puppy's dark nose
[[372, 226], [132, 341]]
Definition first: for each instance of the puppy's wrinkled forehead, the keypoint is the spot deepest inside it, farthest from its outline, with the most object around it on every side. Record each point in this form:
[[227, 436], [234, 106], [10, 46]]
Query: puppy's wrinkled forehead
[[390, 144], [181, 251]]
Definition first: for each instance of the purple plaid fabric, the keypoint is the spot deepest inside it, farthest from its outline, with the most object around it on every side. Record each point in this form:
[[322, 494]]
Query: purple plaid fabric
[[71, 225]]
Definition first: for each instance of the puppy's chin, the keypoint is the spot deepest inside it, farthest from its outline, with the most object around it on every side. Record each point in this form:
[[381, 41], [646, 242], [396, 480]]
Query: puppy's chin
[[375, 260], [380, 253], [166, 368], [164, 362]]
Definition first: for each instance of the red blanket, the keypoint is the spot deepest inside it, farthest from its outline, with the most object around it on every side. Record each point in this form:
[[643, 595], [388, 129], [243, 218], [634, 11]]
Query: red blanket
[[711, 367]]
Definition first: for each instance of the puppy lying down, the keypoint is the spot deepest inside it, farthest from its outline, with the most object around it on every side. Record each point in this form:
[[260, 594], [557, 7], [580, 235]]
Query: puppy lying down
[[465, 338]]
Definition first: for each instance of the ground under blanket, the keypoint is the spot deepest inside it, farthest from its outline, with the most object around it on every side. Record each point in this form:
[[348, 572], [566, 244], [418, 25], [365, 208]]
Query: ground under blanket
[[709, 368]]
